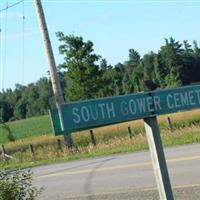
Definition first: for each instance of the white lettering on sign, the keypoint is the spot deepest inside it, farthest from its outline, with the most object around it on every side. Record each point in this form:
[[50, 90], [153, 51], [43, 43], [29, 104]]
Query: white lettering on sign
[[102, 106], [169, 101], [77, 118], [141, 105], [184, 99], [136, 106], [124, 108], [177, 100], [96, 112], [110, 110], [156, 101], [198, 95], [180, 100], [191, 98], [150, 104], [132, 107], [85, 113]]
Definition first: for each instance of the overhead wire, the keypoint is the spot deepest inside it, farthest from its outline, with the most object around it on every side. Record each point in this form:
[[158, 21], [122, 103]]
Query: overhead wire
[[1, 57], [4, 48], [3, 42], [3, 39], [23, 42], [1, 47], [10, 6]]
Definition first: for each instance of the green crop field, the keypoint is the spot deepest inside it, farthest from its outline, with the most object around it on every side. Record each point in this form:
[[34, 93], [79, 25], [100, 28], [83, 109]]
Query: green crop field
[[38, 126], [34, 126]]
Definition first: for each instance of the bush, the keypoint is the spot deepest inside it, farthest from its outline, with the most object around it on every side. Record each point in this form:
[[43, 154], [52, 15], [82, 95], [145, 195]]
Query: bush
[[17, 185], [10, 136]]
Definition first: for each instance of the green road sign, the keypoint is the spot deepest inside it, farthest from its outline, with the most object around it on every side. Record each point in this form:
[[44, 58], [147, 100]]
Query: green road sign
[[82, 115]]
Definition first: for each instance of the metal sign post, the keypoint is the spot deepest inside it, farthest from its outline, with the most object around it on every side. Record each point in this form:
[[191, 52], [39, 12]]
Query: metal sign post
[[158, 158]]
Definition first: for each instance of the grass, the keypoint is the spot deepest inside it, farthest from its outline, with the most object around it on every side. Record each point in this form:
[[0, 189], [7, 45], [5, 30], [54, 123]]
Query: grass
[[110, 139], [34, 126], [40, 126], [48, 152]]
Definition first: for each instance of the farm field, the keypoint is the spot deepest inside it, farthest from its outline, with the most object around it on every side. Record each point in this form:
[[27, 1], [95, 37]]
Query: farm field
[[110, 139], [34, 126], [40, 126]]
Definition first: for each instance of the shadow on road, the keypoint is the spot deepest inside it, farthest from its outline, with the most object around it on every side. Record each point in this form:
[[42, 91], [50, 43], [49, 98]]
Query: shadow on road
[[79, 166], [88, 183]]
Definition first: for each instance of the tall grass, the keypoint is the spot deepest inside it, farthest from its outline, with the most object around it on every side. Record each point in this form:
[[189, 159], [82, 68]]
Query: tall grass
[[38, 126], [47, 150], [110, 139]]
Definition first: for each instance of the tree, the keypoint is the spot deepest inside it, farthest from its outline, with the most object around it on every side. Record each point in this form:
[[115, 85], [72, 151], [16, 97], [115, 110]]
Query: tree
[[134, 60], [161, 70], [20, 109], [6, 112], [171, 64], [188, 63], [45, 99], [107, 74], [119, 72], [149, 76], [85, 75], [137, 78], [32, 95], [194, 72], [82, 69], [130, 66]]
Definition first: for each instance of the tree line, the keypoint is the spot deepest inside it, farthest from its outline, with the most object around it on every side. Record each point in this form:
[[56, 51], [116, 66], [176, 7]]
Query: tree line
[[86, 75]]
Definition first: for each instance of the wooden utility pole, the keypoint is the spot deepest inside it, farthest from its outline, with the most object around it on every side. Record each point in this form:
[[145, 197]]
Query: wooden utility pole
[[51, 62]]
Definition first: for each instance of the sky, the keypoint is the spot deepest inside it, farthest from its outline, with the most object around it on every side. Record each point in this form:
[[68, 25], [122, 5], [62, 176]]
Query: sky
[[113, 26]]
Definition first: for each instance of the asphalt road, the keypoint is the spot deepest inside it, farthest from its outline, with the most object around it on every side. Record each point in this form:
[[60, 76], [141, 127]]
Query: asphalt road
[[123, 176]]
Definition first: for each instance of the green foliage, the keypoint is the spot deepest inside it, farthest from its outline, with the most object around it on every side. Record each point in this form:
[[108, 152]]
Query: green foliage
[[107, 79], [86, 75], [27, 128], [149, 77], [17, 185], [26, 101], [6, 111], [130, 66], [119, 71], [10, 135], [20, 109], [80, 61], [171, 56]]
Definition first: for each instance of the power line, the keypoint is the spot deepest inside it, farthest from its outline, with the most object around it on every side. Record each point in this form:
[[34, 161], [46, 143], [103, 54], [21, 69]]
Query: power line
[[4, 50], [4, 47], [23, 44], [1, 49], [10, 6]]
